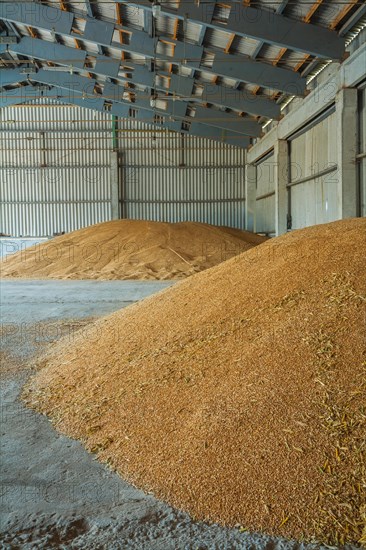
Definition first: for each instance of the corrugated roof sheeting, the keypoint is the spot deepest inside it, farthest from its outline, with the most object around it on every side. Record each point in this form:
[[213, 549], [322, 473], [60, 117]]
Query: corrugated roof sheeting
[[266, 4], [217, 38], [104, 10], [214, 39], [166, 25], [190, 31], [228, 82], [326, 12], [131, 15], [245, 46]]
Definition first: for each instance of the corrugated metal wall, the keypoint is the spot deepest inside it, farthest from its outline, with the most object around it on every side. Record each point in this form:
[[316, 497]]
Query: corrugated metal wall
[[168, 177], [55, 172], [313, 175], [54, 169], [265, 214], [362, 149]]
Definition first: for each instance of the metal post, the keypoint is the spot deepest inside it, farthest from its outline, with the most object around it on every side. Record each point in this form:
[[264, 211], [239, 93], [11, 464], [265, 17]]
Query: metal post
[[281, 159], [346, 114], [114, 186], [114, 133], [250, 197]]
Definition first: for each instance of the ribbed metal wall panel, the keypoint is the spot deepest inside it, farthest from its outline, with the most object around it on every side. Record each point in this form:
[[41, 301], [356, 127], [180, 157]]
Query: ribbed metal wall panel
[[314, 201], [172, 178], [41, 201], [315, 150], [265, 204], [58, 148], [49, 115], [55, 185], [22, 149], [189, 184], [197, 153], [55, 172], [205, 194], [142, 146], [265, 215], [47, 218], [78, 149], [266, 176], [229, 213], [54, 168]]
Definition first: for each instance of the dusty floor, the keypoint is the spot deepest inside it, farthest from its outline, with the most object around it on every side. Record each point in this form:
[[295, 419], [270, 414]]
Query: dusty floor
[[53, 493]]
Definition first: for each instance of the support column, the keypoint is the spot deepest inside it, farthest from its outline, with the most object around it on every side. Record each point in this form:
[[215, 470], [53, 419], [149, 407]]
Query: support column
[[114, 173], [281, 175], [346, 115], [250, 197]]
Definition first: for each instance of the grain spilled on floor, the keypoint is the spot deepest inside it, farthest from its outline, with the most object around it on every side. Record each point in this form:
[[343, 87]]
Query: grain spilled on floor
[[238, 394], [130, 249]]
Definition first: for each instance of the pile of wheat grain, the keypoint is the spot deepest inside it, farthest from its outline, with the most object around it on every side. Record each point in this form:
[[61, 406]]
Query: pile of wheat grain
[[130, 249], [239, 394]]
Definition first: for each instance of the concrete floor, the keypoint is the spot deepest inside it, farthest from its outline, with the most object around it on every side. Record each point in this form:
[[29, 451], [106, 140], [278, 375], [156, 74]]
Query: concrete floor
[[31, 300], [54, 494]]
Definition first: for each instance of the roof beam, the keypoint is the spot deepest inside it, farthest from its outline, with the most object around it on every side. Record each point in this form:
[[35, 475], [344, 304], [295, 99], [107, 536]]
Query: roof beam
[[218, 135], [49, 51], [342, 14], [269, 76], [182, 86], [281, 7], [19, 95], [112, 92], [263, 25], [212, 117], [89, 8], [10, 77], [189, 55], [240, 100], [37, 15], [351, 22], [26, 93]]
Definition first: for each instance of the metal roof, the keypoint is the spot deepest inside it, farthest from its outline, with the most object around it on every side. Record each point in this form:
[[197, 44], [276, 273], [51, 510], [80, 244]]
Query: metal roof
[[218, 69]]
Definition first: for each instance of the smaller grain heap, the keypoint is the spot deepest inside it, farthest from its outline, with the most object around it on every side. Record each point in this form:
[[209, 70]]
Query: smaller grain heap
[[238, 394], [130, 249]]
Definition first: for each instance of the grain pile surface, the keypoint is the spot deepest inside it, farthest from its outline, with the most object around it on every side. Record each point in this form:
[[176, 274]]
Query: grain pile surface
[[238, 394], [130, 249]]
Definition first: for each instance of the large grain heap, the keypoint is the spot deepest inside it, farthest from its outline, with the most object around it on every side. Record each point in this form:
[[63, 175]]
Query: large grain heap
[[238, 394], [130, 249]]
